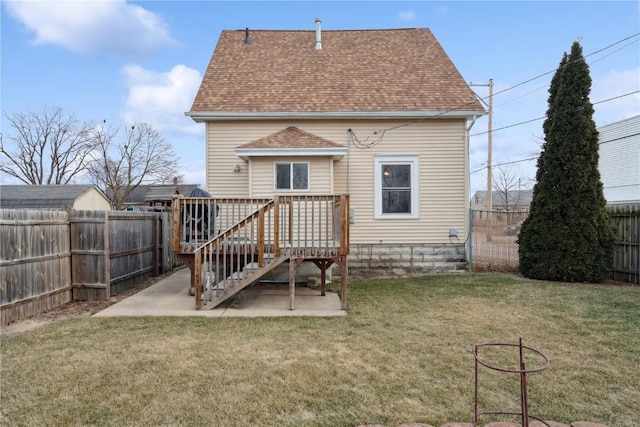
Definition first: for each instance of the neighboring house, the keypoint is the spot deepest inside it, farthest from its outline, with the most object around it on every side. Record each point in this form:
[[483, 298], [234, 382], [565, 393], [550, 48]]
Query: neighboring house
[[156, 197], [382, 115], [619, 162], [79, 197], [512, 200]]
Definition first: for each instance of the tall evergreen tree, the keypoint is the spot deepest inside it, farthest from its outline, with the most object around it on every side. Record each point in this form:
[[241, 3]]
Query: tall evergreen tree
[[568, 235]]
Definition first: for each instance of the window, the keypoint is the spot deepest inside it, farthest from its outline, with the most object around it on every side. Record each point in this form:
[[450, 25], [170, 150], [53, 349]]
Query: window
[[396, 187], [292, 176]]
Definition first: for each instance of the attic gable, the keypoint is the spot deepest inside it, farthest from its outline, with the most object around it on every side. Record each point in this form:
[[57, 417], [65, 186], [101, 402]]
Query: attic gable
[[360, 71], [291, 137], [291, 142]]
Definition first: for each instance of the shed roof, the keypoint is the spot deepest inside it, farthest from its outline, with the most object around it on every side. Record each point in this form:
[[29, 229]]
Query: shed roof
[[42, 196], [151, 193], [157, 193], [369, 71]]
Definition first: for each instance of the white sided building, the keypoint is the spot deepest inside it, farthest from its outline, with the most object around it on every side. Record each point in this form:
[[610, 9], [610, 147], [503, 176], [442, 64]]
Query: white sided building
[[620, 160]]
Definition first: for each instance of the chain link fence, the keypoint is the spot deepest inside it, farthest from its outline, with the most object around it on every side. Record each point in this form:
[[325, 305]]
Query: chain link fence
[[494, 237]]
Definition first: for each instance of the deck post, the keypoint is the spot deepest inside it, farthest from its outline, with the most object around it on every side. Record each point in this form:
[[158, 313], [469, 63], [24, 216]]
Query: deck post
[[292, 283], [290, 220], [293, 266], [175, 224], [261, 238], [344, 225], [323, 265], [343, 282], [276, 226], [197, 277]]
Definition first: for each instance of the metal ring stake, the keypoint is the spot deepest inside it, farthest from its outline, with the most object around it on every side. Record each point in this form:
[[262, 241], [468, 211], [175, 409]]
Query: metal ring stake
[[522, 371]]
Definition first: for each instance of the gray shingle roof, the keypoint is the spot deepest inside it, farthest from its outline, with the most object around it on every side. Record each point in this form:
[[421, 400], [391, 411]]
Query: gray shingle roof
[[41, 196], [356, 71], [159, 193], [151, 193]]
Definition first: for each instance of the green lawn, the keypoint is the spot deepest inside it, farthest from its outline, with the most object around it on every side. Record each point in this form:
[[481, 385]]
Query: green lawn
[[403, 354]]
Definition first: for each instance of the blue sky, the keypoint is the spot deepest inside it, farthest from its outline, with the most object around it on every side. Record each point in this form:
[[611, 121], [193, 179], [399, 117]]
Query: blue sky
[[142, 61]]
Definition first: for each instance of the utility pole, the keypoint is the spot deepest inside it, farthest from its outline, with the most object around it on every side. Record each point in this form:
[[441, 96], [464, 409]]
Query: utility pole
[[489, 201], [489, 162], [489, 149]]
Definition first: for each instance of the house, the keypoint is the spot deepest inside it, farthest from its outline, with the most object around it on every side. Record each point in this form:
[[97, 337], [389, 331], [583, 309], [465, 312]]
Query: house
[[79, 197], [619, 161], [381, 116], [509, 200], [156, 197]]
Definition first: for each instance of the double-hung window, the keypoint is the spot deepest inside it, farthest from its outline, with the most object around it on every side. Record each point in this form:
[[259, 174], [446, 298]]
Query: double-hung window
[[292, 176], [396, 187]]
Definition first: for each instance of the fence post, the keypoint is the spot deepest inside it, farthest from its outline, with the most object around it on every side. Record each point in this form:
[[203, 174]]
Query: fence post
[[107, 257], [156, 245], [166, 240], [470, 245]]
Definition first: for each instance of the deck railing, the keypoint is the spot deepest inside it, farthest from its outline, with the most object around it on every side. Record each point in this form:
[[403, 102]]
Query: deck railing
[[235, 240]]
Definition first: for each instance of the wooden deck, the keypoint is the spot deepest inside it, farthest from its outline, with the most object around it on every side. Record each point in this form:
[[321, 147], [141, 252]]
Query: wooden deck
[[231, 243]]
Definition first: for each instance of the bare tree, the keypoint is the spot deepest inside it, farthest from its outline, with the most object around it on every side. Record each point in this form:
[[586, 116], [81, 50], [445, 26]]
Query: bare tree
[[46, 147], [509, 187], [140, 156]]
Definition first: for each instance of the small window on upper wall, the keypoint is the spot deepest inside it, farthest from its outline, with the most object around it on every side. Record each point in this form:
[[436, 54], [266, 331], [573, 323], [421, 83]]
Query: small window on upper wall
[[292, 176], [396, 187]]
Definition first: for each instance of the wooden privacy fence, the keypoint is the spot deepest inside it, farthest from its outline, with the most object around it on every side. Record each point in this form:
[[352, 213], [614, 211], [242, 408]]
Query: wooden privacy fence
[[494, 247], [52, 257], [35, 262], [626, 255]]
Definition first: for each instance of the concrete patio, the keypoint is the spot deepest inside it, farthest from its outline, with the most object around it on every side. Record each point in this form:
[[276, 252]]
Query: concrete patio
[[170, 297]]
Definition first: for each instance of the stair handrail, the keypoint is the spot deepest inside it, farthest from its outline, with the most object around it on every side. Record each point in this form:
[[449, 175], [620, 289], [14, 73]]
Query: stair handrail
[[197, 268]]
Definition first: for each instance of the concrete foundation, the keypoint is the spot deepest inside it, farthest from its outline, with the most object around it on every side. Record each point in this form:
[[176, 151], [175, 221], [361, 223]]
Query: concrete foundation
[[371, 260]]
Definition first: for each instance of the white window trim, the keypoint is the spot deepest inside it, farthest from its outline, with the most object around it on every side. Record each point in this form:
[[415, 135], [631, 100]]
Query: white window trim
[[290, 163], [411, 160]]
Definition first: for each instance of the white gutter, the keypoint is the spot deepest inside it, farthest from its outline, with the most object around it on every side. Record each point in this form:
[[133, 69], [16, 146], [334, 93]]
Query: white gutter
[[202, 116], [335, 152], [468, 143], [469, 243]]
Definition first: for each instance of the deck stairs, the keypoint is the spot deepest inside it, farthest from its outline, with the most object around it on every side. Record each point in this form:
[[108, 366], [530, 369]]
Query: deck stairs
[[232, 243], [214, 294]]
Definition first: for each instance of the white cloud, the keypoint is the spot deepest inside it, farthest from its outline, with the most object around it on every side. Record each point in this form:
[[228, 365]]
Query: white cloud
[[162, 98], [93, 27], [407, 15], [441, 11], [614, 84]]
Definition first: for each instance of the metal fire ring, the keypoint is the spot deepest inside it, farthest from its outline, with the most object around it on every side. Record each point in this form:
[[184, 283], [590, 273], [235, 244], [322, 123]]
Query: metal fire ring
[[546, 360]]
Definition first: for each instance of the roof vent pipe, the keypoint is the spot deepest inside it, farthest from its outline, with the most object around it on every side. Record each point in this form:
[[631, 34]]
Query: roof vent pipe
[[318, 35], [246, 35]]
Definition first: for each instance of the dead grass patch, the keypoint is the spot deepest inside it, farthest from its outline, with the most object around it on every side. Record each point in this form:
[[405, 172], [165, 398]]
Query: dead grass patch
[[403, 354]]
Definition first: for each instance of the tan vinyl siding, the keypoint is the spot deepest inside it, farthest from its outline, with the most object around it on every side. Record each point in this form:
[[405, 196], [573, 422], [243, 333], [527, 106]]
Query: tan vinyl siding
[[262, 175], [439, 143], [92, 200]]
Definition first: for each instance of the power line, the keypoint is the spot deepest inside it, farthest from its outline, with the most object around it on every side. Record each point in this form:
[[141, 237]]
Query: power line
[[569, 63], [560, 112], [533, 158], [506, 163], [365, 144], [590, 63]]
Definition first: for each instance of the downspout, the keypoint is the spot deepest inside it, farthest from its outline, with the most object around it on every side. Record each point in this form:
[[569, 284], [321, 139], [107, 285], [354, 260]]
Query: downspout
[[349, 161], [469, 245]]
